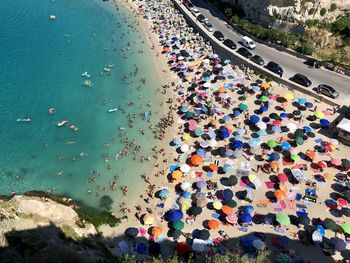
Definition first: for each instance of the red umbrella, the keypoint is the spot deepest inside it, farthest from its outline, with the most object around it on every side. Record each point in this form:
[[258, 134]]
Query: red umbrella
[[182, 248], [342, 202], [277, 123], [282, 177], [335, 162], [322, 164]]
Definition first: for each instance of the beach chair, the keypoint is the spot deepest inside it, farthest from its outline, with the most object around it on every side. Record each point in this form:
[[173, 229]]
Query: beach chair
[[291, 205], [263, 202], [283, 204], [298, 197]]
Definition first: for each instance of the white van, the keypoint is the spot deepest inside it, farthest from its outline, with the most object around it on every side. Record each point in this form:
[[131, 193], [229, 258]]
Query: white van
[[247, 42]]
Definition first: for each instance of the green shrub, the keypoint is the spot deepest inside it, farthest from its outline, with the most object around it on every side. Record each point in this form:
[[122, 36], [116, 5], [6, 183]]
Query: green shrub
[[342, 26], [311, 11], [306, 48], [333, 7], [323, 11]]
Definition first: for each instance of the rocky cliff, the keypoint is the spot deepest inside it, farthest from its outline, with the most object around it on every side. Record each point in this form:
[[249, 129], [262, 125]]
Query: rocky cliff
[[292, 10]]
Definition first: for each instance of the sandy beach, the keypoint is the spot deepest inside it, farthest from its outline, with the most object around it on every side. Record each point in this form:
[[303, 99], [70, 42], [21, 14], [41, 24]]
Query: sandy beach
[[234, 136]]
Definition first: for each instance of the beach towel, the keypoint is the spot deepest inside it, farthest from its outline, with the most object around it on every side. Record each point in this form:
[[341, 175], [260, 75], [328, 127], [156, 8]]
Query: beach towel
[[215, 215], [283, 204], [291, 205], [318, 140]]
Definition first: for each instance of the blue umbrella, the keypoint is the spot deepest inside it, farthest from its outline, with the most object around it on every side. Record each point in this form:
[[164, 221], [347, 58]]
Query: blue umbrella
[[212, 134], [261, 132], [302, 101], [325, 122], [276, 129], [309, 105], [264, 108], [174, 215], [241, 131], [248, 209], [236, 144], [274, 156], [284, 241], [253, 142], [236, 112], [163, 193], [201, 152], [245, 218], [321, 230], [227, 194], [221, 151], [284, 115], [201, 184], [285, 146], [227, 168], [229, 153], [254, 119], [226, 118], [177, 141], [307, 128], [187, 195], [141, 248]]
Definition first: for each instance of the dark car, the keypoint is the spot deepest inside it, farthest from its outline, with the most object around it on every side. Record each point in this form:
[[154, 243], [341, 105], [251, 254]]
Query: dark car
[[244, 52], [275, 68], [229, 43], [311, 62], [219, 35], [201, 18], [327, 90], [189, 5], [301, 79], [258, 60]]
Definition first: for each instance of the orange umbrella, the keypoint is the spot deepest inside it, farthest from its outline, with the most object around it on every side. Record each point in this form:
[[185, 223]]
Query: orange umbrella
[[310, 154], [274, 165], [328, 176], [166, 49], [213, 224], [157, 231], [226, 209], [213, 166], [176, 175], [222, 90], [196, 159], [280, 195]]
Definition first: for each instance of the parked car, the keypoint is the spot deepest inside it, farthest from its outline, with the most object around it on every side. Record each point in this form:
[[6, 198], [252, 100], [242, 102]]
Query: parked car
[[201, 18], [327, 90], [311, 62], [219, 35], [229, 43], [275, 68], [258, 60], [244, 52], [195, 12], [301, 79], [208, 26], [189, 5], [248, 42]]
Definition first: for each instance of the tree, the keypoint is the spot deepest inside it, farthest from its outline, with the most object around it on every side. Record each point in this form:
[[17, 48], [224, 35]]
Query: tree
[[311, 11], [228, 11], [323, 11], [333, 7], [306, 48]]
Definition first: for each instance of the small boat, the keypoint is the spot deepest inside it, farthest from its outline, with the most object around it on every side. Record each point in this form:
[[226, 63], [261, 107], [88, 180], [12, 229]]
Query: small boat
[[24, 120], [61, 123], [107, 70], [87, 83], [51, 111], [73, 128], [121, 128], [85, 74], [113, 110], [52, 17]]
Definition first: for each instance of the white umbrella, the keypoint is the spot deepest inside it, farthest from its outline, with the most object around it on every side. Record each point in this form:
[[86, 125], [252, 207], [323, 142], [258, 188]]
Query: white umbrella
[[185, 168], [184, 148], [292, 126], [206, 85], [261, 125], [185, 186]]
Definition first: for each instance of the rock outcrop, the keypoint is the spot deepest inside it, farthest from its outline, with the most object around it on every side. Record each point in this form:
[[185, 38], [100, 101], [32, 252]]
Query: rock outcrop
[[292, 10]]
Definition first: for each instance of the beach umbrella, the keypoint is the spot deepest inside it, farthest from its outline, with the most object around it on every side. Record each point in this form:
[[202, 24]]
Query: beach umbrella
[[342, 202], [185, 168], [272, 143], [277, 123], [227, 194], [204, 234], [295, 157], [131, 232], [229, 153], [299, 133], [345, 164], [322, 164], [319, 114], [213, 167], [232, 180], [217, 205], [335, 162], [247, 209], [291, 126], [279, 194], [311, 154], [282, 177], [237, 144], [285, 146], [157, 231], [330, 224], [261, 125], [275, 116], [227, 168], [264, 99], [226, 209], [274, 156], [243, 106], [304, 220], [231, 218], [141, 248], [198, 132], [346, 228], [299, 140], [200, 195], [184, 148], [245, 218], [254, 119], [196, 159], [338, 243], [163, 193], [174, 215], [201, 184], [321, 230], [283, 219], [231, 203], [201, 152], [258, 244], [186, 195], [264, 108], [204, 144], [178, 225], [176, 141], [253, 142], [182, 248], [201, 202], [148, 219], [288, 96], [324, 122], [195, 210], [185, 186], [213, 224], [176, 175]]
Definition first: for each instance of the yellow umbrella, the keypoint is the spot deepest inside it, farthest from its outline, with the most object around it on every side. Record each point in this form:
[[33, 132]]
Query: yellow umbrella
[[148, 219], [288, 96], [319, 114], [251, 177], [217, 205], [176, 175], [185, 207], [186, 136], [328, 176], [265, 85]]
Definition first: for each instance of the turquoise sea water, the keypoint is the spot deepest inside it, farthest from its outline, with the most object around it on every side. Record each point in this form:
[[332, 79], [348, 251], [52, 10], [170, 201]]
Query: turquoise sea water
[[41, 62]]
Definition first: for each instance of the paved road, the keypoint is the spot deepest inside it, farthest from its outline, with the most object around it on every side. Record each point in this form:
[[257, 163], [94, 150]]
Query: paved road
[[289, 63]]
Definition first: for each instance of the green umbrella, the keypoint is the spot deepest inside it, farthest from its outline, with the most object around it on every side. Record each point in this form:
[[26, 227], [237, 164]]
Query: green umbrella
[[347, 195], [204, 234], [299, 140], [299, 133], [243, 106], [283, 219], [232, 180], [264, 99], [230, 203], [275, 116], [178, 225], [330, 224], [176, 233], [345, 163], [198, 132], [195, 210], [347, 184], [295, 157], [189, 114], [272, 143], [346, 228]]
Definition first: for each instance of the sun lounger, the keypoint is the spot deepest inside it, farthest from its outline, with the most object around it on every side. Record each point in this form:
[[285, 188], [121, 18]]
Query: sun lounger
[[278, 210], [291, 195], [210, 174], [291, 205], [264, 202], [283, 204]]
